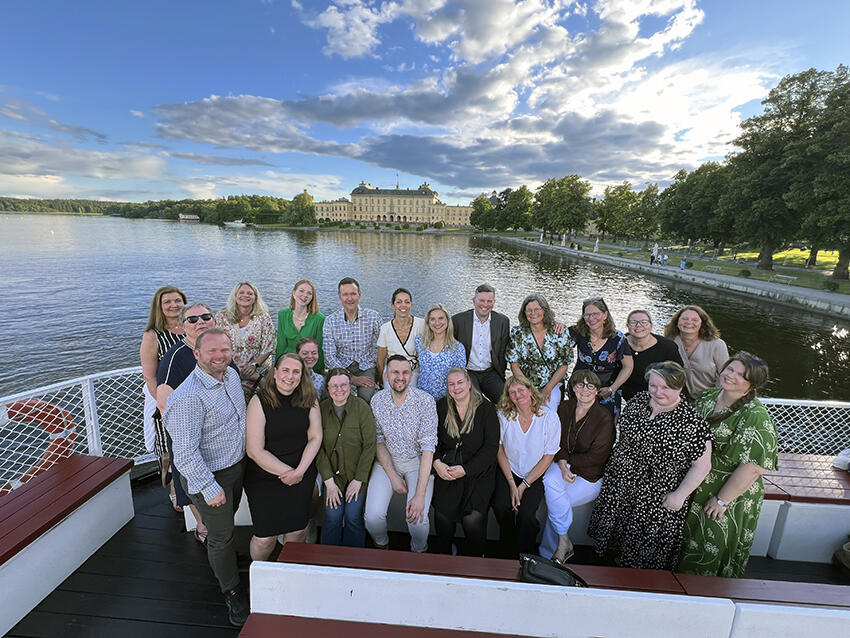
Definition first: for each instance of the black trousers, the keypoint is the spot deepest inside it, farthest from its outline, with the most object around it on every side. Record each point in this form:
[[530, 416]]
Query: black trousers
[[518, 529], [489, 383]]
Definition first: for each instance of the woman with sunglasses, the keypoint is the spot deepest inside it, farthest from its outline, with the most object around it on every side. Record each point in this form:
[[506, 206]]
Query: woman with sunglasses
[[247, 322], [345, 460], [602, 348], [575, 478], [702, 350], [647, 347], [662, 455], [537, 352], [724, 512]]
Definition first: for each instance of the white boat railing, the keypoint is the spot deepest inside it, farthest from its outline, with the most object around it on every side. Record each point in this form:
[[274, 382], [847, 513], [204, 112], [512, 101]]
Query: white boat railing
[[101, 415]]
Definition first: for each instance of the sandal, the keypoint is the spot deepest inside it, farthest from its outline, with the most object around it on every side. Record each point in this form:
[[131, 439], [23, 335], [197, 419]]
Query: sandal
[[201, 537], [173, 498]]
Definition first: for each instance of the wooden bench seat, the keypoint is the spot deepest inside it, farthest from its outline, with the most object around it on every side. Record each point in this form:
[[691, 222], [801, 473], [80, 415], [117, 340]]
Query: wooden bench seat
[[810, 478], [646, 580], [55, 522], [766, 591], [268, 625]]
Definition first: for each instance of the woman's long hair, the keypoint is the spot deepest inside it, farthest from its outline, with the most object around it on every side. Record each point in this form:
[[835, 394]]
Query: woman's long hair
[[454, 426], [608, 328], [304, 396], [428, 334], [156, 319], [755, 371], [259, 308], [707, 330], [313, 306], [506, 405]]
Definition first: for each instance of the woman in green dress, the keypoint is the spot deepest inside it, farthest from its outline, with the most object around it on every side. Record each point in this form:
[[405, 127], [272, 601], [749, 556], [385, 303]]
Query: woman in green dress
[[721, 521], [301, 319]]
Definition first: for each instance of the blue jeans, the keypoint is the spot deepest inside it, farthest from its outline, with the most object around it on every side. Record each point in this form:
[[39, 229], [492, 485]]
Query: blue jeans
[[344, 525]]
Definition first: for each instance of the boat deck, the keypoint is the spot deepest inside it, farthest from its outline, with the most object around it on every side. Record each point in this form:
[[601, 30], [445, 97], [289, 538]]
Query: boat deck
[[151, 579]]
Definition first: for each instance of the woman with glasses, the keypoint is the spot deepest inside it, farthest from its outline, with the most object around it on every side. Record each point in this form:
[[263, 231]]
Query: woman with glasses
[[302, 319], [529, 440], [537, 352], [247, 322], [575, 478], [662, 455], [721, 522], [345, 460], [602, 348], [464, 464], [647, 347], [437, 351], [398, 335], [702, 350]]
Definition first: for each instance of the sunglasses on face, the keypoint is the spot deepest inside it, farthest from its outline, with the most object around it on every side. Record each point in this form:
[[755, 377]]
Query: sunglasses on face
[[195, 318]]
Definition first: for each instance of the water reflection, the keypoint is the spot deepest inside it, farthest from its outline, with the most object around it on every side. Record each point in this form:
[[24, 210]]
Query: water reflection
[[76, 300]]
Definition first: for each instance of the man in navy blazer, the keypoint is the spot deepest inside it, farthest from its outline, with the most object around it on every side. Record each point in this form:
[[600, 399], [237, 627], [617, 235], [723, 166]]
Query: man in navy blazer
[[485, 334]]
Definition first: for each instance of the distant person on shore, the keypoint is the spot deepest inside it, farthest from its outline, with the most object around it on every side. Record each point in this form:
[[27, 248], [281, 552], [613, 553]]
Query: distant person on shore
[[683, 264], [174, 368], [206, 418], [664, 259], [485, 335], [162, 331], [308, 349], [301, 319], [406, 434], [647, 347], [398, 335], [596, 245], [702, 350], [247, 322], [722, 519], [438, 351], [350, 339]]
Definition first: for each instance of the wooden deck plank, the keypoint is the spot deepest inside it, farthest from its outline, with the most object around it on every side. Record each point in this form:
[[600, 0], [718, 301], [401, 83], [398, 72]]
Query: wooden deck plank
[[746, 589], [39, 624]]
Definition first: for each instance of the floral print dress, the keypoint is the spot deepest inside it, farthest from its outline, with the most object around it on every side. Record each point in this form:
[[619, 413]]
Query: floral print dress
[[722, 548], [605, 362], [539, 363], [251, 342]]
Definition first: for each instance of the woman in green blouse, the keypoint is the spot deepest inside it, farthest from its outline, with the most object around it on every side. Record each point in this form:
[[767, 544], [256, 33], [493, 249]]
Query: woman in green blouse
[[301, 319], [721, 522]]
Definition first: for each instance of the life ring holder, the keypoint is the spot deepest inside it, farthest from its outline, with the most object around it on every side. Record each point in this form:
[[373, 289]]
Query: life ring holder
[[60, 428]]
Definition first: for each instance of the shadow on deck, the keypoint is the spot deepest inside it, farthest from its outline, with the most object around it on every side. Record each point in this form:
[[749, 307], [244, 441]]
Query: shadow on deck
[[152, 580]]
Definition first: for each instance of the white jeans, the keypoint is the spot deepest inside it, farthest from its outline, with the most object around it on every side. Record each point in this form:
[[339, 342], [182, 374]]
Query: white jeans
[[378, 496], [561, 497]]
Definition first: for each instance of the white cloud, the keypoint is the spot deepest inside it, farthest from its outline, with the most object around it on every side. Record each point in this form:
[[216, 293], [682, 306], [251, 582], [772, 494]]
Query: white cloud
[[136, 113], [275, 183]]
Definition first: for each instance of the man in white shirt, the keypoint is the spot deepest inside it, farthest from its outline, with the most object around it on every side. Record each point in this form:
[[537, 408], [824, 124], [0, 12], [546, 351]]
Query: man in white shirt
[[485, 334]]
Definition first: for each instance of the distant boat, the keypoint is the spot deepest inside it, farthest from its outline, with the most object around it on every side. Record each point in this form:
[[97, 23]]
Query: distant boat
[[188, 218], [236, 224]]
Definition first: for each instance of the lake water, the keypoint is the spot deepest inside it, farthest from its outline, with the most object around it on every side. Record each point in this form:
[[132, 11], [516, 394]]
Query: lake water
[[78, 290]]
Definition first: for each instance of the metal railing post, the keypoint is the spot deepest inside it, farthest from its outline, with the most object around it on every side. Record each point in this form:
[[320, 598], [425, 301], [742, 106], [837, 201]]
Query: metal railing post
[[92, 423]]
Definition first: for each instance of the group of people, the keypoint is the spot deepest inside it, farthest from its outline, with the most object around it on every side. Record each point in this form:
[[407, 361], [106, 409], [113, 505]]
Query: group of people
[[663, 432]]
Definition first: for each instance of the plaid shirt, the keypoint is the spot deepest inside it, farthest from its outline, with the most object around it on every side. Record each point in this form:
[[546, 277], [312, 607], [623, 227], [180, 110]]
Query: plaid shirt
[[349, 341], [206, 420]]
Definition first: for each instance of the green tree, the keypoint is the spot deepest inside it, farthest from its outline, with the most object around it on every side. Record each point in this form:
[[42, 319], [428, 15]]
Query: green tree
[[481, 216], [613, 211], [302, 210], [518, 207]]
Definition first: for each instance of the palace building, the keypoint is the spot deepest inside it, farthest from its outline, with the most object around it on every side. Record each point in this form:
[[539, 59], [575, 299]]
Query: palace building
[[398, 205]]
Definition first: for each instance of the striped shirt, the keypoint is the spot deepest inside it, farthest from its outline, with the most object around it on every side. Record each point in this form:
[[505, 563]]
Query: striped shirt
[[348, 341], [408, 430], [206, 420], [165, 339]]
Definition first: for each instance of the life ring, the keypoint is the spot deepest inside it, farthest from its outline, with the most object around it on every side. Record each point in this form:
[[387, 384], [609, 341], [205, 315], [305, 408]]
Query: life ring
[[60, 427]]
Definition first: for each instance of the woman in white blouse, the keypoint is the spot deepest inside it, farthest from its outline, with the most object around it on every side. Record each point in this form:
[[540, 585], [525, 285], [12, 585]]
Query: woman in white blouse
[[530, 437], [397, 336]]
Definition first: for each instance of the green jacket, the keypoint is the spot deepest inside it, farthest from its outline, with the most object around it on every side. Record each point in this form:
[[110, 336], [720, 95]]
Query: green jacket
[[348, 448]]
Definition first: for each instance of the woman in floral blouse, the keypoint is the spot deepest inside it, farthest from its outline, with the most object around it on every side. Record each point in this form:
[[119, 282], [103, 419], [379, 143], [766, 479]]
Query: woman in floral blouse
[[536, 352], [602, 348], [246, 319], [721, 522]]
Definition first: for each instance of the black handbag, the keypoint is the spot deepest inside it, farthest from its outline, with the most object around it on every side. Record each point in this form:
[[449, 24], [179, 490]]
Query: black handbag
[[453, 456], [536, 569]]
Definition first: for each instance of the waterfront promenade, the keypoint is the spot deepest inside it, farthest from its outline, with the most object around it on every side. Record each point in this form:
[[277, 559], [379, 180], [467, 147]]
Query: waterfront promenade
[[821, 301]]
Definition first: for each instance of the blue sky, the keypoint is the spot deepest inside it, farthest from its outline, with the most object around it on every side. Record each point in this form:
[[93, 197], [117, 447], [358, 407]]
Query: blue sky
[[154, 100]]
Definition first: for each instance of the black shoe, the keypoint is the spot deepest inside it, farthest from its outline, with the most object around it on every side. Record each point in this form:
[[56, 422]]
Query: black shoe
[[237, 607]]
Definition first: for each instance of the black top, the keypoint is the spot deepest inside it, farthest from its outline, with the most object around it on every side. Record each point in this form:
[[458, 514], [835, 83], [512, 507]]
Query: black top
[[175, 365], [286, 437], [664, 350]]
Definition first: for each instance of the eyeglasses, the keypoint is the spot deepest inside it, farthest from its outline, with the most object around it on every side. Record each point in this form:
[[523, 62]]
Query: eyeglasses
[[592, 315], [641, 322], [195, 318], [584, 386], [337, 386]]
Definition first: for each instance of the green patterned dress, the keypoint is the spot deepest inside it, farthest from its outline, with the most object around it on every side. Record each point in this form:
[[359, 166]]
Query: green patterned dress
[[722, 548]]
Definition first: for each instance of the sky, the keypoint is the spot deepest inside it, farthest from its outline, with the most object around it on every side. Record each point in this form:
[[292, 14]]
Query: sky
[[203, 99]]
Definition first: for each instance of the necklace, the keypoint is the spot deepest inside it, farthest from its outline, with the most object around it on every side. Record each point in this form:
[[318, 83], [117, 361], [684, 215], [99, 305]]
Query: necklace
[[580, 424]]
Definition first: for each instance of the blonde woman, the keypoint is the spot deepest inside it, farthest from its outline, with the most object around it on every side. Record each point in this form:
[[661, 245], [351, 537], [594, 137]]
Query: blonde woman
[[438, 351], [247, 322], [302, 319]]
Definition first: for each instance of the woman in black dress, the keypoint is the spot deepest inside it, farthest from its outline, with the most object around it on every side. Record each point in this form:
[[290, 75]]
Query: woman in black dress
[[284, 433], [662, 455], [647, 347], [465, 463]]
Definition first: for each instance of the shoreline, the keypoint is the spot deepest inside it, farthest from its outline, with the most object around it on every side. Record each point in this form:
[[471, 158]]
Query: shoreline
[[832, 304]]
